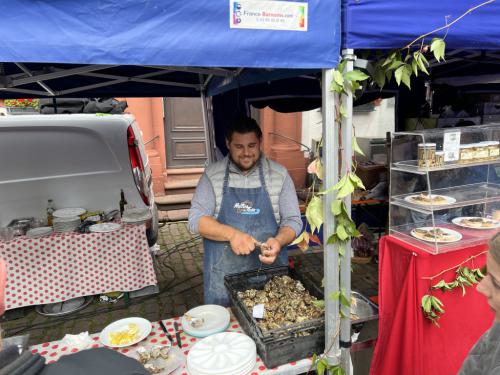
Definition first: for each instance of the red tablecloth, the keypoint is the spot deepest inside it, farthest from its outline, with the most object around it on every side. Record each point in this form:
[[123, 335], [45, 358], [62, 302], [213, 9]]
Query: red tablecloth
[[63, 266], [408, 343]]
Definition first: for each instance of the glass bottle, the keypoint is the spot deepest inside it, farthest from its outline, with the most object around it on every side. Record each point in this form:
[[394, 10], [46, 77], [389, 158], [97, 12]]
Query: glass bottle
[[50, 212], [123, 202]]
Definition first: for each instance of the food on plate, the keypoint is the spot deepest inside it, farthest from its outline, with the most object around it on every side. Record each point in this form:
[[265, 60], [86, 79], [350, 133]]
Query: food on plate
[[125, 336], [425, 198], [195, 322], [154, 358], [478, 222], [153, 369], [435, 234]]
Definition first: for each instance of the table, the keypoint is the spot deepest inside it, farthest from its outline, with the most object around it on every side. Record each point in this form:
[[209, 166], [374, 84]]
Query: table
[[52, 351], [408, 343], [63, 266]]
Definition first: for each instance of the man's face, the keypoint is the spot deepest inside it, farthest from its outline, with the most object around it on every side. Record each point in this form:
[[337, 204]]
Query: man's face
[[244, 149], [490, 286]]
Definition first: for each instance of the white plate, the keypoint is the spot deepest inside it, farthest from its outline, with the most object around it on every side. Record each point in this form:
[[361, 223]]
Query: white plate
[[458, 221], [69, 212], [104, 227], [449, 200], [215, 319], [122, 325], [39, 232], [176, 358], [222, 353], [457, 235]]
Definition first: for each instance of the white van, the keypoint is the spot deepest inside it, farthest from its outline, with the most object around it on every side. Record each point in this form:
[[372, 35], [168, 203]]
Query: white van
[[78, 160]]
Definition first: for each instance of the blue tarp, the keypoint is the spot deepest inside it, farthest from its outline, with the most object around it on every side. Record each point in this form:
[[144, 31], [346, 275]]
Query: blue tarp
[[386, 24], [161, 32]]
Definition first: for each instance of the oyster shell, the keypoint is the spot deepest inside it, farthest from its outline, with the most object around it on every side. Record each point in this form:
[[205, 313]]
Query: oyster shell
[[286, 302]]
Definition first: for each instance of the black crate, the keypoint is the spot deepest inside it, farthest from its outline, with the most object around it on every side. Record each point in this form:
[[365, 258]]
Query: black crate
[[283, 345]]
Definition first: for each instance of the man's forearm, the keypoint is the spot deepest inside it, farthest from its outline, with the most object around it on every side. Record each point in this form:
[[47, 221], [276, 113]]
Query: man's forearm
[[211, 229], [285, 236]]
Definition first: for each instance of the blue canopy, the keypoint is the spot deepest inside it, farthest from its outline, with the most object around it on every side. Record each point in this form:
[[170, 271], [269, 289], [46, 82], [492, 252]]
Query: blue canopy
[[387, 24], [164, 32]]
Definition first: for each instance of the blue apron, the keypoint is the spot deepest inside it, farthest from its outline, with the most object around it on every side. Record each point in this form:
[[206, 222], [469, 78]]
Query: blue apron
[[250, 211]]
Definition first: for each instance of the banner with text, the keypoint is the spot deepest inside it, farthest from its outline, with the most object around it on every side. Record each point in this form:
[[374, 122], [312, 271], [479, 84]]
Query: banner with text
[[269, 15]]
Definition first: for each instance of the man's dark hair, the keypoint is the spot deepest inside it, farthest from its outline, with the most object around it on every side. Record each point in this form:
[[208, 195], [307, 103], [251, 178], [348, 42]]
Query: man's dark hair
[[243, 125]]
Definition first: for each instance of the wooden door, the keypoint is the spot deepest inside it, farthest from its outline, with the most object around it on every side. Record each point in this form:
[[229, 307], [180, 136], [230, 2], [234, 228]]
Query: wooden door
[[185, 133]]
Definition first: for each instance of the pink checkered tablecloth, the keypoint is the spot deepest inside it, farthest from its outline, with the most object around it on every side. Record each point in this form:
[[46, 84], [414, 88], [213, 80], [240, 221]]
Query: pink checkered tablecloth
[[52, 351], [63, 266]]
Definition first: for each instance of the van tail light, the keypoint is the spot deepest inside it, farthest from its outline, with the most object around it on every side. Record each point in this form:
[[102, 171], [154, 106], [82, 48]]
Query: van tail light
[[137, 166]]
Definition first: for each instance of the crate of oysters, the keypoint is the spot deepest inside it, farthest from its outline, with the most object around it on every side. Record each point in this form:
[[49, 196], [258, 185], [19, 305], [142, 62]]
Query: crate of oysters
[[279, 313]]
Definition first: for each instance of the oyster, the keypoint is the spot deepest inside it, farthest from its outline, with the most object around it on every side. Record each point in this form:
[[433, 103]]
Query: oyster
[[153, 369], [143, 355], [286, 302]]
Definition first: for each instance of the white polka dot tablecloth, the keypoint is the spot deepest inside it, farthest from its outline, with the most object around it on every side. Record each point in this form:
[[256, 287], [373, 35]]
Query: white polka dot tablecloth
[[63, 266], [52, 351]]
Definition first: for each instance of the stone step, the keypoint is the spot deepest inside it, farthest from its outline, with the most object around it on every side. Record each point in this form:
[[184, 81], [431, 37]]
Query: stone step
[[172, 184], [183, 171], [174, 201], [173, 215]]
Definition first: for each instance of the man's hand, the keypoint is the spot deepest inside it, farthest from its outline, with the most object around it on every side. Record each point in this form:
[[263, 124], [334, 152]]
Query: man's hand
[[241, 243], [270, 251]]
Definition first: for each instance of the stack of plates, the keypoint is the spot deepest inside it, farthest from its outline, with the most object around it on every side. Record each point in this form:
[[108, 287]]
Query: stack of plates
[[39, 232], [136, 216], [63, 225], [69, 213], [226, 353]]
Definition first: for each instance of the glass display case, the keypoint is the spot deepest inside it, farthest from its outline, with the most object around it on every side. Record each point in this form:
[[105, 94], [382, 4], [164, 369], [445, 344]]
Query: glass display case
[[445, 187]]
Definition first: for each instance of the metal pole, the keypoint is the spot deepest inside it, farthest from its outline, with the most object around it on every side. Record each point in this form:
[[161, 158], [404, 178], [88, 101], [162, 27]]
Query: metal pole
[[331, 258], [345, 261], [208, 140]]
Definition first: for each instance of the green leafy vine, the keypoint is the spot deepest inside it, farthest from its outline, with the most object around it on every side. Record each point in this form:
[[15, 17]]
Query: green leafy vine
[[465, 277], [400, 65]]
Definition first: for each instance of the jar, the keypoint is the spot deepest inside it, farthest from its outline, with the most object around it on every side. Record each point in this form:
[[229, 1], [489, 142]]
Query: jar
[[480, 152], [426, 155], [493, 149], [439, 159], [466, 154]]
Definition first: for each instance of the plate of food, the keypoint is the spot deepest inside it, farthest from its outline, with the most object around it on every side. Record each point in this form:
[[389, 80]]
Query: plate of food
[[125, 332], [433, 234], [205, 320], [476, 222], [425, 199], [161, 359]]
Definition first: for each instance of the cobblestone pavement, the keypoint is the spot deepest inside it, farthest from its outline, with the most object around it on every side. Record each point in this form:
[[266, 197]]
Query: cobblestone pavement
[[179, 267]]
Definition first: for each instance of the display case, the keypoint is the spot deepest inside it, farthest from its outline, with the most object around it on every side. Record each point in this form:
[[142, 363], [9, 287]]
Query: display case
[[445, 187]]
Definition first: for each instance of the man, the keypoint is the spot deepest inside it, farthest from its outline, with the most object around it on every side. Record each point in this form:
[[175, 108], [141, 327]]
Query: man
[[240, 202], [484, 358]]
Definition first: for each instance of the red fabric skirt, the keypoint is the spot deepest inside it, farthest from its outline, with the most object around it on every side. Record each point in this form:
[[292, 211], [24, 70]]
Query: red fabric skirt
[[410, 344]]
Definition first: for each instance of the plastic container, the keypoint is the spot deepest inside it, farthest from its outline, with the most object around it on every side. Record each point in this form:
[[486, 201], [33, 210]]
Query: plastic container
[[493, 149], [426, 154], [282, 345], [439, 159], [466, 154], [481, 152]]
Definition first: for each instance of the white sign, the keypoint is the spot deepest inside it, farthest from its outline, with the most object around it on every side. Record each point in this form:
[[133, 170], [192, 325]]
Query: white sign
[[451, 146], [270, 15], [258, 311]]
